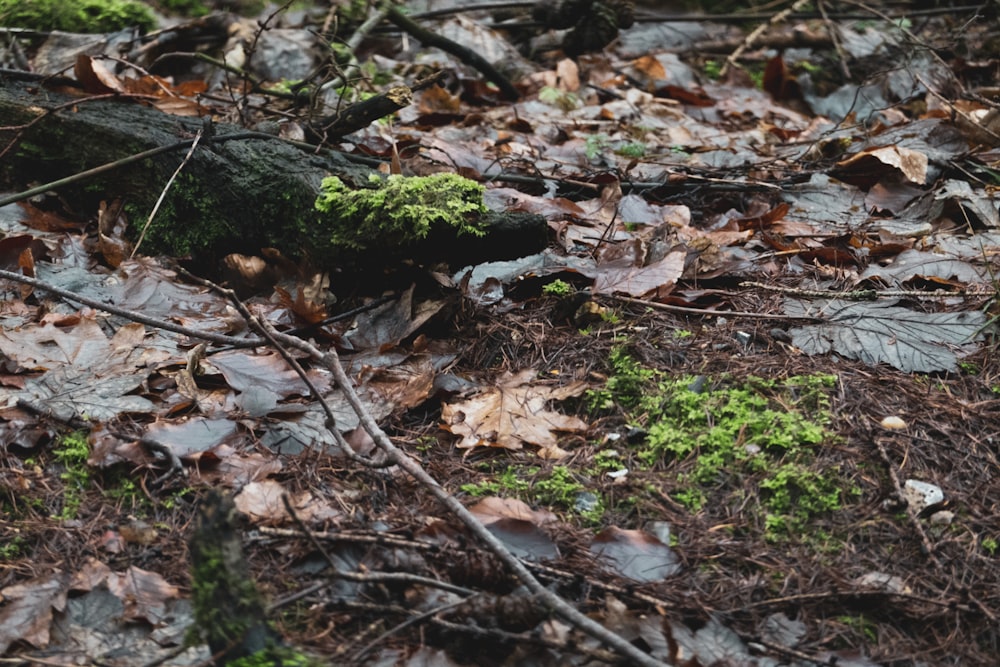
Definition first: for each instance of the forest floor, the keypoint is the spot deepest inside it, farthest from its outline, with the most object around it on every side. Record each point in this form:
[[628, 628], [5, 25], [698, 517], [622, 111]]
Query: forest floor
[[742, 410]]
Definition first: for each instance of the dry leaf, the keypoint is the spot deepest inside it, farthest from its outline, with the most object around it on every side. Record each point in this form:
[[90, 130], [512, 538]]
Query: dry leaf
[[513, 413]]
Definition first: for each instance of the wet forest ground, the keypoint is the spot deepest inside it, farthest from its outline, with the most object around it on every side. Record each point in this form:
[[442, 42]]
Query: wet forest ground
[[741, 411]]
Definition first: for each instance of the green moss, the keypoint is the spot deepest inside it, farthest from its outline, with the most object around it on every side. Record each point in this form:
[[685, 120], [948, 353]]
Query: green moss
[[72, 452], [395, 212], [508, 482], [632, 149], [191, 8], [212, 576], [557, 288], [13, 548], [558, 488], [725, 441], [95, 16], [991, 545], [275, 656]]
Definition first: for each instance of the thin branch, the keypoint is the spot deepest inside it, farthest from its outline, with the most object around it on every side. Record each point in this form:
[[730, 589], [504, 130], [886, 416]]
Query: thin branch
[[555, 603], [758, 31], [413, 620], [219, 339], [165, 190], [256, 324], [367, 577], [467, 56], [124, 162]]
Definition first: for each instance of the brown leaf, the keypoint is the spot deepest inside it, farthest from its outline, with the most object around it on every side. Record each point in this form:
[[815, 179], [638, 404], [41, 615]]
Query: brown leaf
[[145, 594], [870, 166], [491, 508], [95, 77], [513, 413], [27, 613], [624, 277], [262, 502]]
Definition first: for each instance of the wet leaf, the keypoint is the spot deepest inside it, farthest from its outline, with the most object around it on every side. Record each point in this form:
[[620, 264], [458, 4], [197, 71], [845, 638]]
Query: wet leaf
[[911, 264], [517, 526], [635, 554], [882, 332], [712, 644], [27, 613], [245, 370]]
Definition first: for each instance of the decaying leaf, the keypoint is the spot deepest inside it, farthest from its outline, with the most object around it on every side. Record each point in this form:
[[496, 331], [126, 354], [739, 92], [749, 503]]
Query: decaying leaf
[[882, 332], [513, 413], [635, 554]]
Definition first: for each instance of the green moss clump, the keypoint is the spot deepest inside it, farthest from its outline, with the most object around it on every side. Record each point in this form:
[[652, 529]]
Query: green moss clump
[[191, 8], [396, 212], [92, 16], [734, 438], [275, 656], [72, 451]]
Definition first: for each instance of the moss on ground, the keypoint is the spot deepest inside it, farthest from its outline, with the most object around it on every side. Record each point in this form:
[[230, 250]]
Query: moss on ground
[[750, 443], [72, 451], [89, 16], [560, 489]]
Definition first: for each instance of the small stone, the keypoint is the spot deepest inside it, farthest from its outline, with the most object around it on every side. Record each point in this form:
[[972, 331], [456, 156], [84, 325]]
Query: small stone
[[893, 423], [942, 518]]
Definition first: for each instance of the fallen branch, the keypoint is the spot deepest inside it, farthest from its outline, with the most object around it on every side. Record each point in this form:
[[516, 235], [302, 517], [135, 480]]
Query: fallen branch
[[467, 56], [555, 603]]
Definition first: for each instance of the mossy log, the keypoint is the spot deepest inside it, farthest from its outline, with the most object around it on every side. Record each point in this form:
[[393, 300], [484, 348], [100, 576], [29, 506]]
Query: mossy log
[[228, 608], [233, 195]]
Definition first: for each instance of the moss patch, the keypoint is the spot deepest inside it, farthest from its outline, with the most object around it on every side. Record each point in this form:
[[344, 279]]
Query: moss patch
[[72, 452], [749, 444], [394, 213], [93, 16]]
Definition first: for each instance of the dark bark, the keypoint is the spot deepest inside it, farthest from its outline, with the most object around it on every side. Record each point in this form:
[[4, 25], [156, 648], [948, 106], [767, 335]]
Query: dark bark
[[234, 195], [227, 607]]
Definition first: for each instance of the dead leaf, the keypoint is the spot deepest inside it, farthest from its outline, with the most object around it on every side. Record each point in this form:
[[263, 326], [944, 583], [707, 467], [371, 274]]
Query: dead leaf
[[870, 166], [27, 613], [882, 332], [262, 502], [635, 554], [513, 413], [491, 508], [95, 77]]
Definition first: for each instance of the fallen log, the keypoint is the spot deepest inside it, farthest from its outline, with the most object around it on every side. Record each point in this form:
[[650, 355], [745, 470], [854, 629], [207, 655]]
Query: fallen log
[[239, 192]]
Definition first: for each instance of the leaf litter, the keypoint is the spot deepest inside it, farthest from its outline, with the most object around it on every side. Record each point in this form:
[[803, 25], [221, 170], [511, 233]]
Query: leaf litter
[[657, 184]]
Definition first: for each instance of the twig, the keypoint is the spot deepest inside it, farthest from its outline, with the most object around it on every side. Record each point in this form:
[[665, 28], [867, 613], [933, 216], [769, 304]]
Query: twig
[[219, 339], [467, 56], [124, 162], [256, 324], [396, 629], [367, 577], [165, 190], [834, 31], [48, 112], [415, 470], [869, 294], [720, 313], [757, 32]]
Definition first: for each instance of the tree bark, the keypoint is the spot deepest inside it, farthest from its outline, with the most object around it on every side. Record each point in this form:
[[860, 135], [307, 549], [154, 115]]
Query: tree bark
[[233, 195]]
